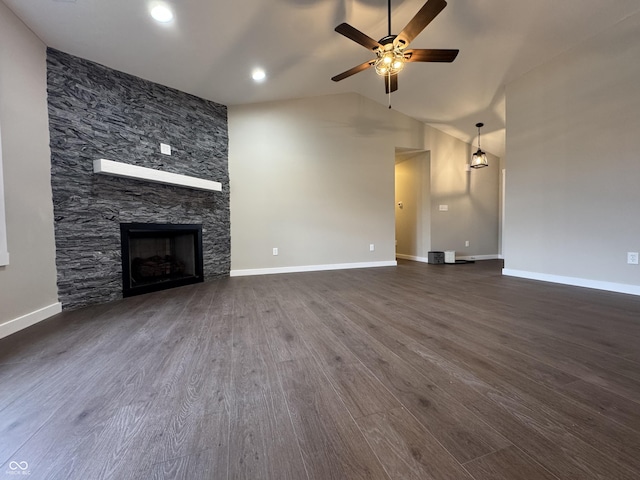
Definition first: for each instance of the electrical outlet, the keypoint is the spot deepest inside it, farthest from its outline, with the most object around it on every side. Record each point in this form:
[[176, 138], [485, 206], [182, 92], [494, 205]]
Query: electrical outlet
[[275, 250], [165, 149], [372, 247], [466, 243], [632, 258], [443, 208]]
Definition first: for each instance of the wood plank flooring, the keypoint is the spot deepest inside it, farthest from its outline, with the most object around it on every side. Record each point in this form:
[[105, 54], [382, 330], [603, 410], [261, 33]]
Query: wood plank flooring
[[430, 372]]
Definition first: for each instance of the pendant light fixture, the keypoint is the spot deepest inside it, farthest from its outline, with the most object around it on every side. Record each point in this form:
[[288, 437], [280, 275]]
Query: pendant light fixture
[[479, 159]]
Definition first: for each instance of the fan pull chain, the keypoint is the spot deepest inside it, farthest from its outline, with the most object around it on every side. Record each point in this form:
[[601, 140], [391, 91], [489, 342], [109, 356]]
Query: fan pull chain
[[389, 90]]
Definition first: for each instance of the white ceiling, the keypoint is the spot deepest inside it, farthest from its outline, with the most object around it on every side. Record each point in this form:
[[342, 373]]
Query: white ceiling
[[211, 47]]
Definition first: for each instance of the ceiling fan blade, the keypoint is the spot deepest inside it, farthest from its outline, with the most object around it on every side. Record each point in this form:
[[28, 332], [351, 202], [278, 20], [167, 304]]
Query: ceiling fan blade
[[425, 15], [353, 71], [390, 83], [357, 36], [430, 55]]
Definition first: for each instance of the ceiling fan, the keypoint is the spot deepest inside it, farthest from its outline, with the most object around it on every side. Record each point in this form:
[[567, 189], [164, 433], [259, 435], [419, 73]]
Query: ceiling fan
[[391, 52]]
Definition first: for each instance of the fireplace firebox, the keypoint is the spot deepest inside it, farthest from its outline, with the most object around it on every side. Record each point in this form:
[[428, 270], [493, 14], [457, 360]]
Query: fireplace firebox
[[160, 256]]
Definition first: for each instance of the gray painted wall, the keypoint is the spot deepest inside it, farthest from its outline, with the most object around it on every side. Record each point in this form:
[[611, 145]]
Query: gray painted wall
[[472, 198], [96, 112], [316, 180], [573, 172], [28, 283]]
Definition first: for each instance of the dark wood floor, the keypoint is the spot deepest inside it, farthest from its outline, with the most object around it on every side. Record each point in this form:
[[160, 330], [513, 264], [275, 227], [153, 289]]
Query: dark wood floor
[[448, 372]]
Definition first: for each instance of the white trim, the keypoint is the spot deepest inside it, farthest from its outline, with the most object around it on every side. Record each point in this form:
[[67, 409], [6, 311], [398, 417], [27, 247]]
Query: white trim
[[4, 250], [503, 211], [411, 257], [310, 268], [17, 324], [574, 281], [494, 256], [469, 257], [119, 169]]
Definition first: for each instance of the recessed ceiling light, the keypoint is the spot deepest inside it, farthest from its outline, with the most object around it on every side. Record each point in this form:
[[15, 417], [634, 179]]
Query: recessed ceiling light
[[162, 13], [258, 75]]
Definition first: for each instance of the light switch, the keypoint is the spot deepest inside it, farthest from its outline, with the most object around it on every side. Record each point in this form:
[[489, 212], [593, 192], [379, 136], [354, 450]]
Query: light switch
[[444, 208]]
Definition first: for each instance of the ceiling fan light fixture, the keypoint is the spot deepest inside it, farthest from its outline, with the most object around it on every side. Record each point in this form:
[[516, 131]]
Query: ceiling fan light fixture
[[390, 52], [389, 62], [479, 159]]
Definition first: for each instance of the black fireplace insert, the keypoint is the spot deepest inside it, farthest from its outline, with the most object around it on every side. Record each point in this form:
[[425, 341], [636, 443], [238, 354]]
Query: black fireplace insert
[[157, 256]]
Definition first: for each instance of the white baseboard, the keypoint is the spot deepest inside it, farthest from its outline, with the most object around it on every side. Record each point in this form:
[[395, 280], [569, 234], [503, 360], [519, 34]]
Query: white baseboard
[[426, 260], [20, 323], [411, 257], [309, 268], [574, 281], [494, 256]]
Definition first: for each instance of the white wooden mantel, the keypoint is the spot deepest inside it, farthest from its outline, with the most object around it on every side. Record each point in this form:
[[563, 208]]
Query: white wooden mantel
[[125, 170]]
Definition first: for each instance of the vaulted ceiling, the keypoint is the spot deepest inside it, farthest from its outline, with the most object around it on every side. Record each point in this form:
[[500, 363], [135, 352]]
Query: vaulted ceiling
[[212, 46]]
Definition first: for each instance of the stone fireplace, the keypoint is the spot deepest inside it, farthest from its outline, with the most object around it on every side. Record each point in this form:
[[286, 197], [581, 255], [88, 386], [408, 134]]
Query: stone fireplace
[[99, 113]]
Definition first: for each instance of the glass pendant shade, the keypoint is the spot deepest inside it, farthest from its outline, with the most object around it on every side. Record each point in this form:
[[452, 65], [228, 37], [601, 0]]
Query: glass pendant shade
[[479, 159]]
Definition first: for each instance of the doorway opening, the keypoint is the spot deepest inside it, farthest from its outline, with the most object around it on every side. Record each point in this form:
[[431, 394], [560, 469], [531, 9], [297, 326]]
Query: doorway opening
[[412, 204]]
